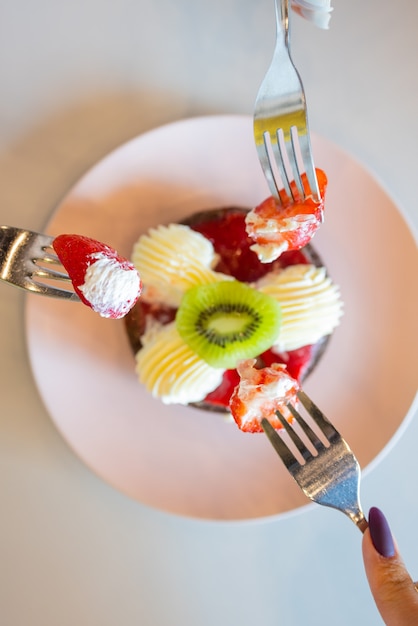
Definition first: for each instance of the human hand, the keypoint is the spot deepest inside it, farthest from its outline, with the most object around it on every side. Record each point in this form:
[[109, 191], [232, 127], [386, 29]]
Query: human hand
[[395, 593]]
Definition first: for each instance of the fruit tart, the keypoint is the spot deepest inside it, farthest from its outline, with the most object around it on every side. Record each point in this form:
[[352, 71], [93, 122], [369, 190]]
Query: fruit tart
[[228, 285]]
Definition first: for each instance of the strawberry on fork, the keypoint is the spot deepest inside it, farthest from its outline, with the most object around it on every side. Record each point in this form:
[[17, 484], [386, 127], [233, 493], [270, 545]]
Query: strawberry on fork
[[260, 393], [104, 281]]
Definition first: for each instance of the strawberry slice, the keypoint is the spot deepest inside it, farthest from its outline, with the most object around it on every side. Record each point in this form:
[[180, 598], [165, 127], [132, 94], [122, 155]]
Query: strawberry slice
[[106, 282], [222, 394], [277, 227], [297, 361], [260, 393]]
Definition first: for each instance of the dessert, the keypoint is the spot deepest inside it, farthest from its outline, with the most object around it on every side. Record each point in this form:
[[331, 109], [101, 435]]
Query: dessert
[[262, 392], [209, 303], [276, 227], [106, 282]]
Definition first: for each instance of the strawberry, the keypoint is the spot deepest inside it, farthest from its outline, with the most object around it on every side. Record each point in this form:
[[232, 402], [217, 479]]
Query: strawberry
[[222, 394], [297, 361], [104, 281], [276, 227], [260, 393]]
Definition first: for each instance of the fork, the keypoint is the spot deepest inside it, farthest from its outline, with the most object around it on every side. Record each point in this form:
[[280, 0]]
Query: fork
[[281, 123], [327, 470], [27, 260]]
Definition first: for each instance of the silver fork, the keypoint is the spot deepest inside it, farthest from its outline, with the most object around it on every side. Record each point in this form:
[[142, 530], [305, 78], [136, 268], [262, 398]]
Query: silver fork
[[28, 261], [281, 130], [327, 471]]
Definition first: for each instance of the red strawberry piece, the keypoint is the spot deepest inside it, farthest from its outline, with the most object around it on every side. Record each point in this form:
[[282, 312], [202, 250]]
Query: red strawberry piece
[[260, 393], [286, 226], [104, 281], [297, 361], [222, 394]]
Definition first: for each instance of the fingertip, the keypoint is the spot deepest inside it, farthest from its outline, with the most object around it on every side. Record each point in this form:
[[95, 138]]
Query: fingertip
[[380, 533], [390, 583]]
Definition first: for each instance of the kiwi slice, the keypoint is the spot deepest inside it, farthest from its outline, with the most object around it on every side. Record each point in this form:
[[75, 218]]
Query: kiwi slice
[[227, 321]]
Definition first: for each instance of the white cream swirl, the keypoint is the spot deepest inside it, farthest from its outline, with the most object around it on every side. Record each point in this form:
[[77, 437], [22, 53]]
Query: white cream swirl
[[310, 302], [171, 371], [172, 259], [111, 287]]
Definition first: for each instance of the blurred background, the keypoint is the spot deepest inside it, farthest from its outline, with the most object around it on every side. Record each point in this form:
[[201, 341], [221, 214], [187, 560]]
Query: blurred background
[[77, 79]]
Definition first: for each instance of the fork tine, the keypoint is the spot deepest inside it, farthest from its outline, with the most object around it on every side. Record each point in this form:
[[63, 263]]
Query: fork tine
[[38, 287], [269, 154], [306, 155], [301, 447], [50, 273], [318, 417], [278, 444], [49, 258], [299, 153], [312, 436], [265, 161], [279, 164], [291, 150], [45, 255]]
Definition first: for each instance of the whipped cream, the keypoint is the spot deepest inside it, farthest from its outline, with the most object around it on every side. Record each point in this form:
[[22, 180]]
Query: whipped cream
[[171, 371], [260, 393], [270, 230], [110, 287], [310, 302], [172, 259], [315, 11]]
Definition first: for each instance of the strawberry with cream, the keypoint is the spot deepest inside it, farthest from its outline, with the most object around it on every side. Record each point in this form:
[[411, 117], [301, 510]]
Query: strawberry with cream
[[276, 227], [260, 393], [106, 282]]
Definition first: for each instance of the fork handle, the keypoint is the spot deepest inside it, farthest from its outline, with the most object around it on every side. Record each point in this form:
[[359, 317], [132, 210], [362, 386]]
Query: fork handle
[[282, 18], [362, 524]]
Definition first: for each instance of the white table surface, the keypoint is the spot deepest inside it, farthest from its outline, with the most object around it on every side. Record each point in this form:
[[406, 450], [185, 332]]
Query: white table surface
[[77, 79]]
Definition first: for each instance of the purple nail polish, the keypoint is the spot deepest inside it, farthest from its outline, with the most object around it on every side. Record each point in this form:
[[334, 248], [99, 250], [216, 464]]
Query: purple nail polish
[[380, 533]]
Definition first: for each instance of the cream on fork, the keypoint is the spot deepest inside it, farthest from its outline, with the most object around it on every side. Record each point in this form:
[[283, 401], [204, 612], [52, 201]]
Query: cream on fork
[[102, 279]]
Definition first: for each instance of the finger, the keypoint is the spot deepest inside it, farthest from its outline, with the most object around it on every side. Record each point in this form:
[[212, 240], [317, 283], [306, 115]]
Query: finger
[[390, 583]]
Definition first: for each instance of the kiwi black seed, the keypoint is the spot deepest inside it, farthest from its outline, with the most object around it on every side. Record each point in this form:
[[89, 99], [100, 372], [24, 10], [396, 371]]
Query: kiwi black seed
[[227, 321]]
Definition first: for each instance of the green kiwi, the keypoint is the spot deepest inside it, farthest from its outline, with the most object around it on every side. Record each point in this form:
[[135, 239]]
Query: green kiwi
[[225, 322]]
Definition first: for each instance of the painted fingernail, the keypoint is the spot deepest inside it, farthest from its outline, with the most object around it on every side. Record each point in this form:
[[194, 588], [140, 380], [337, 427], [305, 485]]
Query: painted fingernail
[[380, 533]]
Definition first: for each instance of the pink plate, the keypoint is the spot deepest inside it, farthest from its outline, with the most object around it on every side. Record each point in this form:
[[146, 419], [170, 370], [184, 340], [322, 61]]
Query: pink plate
[[189, 462]]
